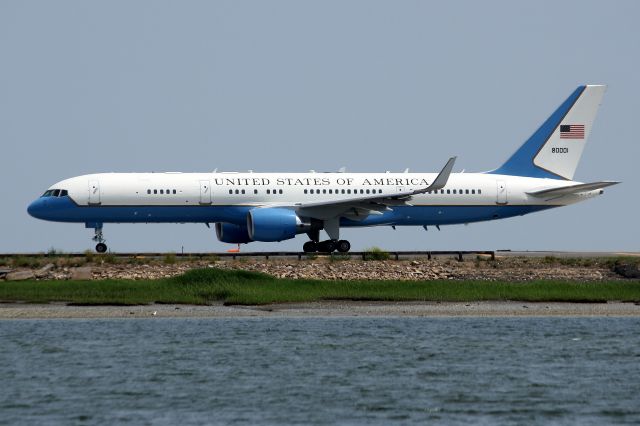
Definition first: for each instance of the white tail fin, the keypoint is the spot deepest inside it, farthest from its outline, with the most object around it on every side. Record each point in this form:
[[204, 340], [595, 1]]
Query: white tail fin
[[561, 154], [555, 149]]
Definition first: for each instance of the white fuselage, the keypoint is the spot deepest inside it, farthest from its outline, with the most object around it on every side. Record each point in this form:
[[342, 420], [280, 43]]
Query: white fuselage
[[279, 189]]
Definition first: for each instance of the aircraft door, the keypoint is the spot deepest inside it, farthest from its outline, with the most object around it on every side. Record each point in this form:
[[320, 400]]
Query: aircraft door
[[94, 191], [205, 192], [502, 192]]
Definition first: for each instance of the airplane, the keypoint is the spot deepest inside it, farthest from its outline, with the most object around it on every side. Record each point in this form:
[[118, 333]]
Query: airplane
[[271, 207]]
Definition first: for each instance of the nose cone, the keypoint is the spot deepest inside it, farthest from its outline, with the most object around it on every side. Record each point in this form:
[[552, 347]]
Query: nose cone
[[37, 208]]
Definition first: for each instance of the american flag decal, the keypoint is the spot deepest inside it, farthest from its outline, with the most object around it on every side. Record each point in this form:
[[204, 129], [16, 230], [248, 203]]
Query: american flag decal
[[572, 131]]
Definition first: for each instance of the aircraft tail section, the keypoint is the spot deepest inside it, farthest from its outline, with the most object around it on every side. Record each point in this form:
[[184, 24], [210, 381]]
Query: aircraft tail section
[[555, 149]]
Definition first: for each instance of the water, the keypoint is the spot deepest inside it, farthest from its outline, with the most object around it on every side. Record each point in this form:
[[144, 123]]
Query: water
[[321, 371]]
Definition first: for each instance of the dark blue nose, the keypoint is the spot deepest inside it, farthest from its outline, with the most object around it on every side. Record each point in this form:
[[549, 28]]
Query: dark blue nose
[[38, 208]]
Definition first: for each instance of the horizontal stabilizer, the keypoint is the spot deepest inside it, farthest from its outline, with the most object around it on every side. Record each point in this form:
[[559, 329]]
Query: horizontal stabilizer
[[572, 189]]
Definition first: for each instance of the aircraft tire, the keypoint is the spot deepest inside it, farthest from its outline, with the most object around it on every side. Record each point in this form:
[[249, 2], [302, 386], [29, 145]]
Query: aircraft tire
[[343, 246], [328, 246], [101, 247], [310, 247]]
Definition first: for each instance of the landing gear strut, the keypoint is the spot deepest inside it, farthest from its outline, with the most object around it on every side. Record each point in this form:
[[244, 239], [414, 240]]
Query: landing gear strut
[[101, 247], [328, 246]]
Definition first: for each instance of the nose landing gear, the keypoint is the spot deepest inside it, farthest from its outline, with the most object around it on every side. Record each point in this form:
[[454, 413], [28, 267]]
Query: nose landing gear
[[101, 247]]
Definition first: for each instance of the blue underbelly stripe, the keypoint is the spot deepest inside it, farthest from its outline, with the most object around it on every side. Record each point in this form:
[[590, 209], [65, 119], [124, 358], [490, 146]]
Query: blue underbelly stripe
[[64, 210]]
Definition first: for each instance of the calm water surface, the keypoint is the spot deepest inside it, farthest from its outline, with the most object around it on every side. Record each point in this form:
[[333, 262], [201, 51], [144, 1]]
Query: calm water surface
[[321, 371]]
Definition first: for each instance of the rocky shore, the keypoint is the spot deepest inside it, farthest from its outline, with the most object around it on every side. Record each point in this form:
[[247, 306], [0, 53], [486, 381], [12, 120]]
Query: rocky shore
[[507, 268]]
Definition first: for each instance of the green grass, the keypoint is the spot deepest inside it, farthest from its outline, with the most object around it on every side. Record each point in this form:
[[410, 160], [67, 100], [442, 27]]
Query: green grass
[[202, 286]]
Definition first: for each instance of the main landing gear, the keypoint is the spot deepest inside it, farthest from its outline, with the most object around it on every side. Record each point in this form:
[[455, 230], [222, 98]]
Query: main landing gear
[[327, 246], [101, 247]]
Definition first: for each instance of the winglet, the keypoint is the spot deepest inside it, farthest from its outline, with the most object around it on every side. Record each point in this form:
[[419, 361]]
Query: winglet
[[441, 179]]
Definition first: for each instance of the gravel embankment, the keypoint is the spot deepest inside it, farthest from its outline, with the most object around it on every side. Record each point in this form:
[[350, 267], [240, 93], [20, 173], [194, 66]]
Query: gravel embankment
[[512, 269]]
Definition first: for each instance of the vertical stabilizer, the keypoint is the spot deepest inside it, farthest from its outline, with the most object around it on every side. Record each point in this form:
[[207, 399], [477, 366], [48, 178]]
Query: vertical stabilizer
[[554, 150]]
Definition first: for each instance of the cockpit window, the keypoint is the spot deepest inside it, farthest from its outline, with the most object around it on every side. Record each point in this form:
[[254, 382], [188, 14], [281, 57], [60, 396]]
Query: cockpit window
[[55, 193]]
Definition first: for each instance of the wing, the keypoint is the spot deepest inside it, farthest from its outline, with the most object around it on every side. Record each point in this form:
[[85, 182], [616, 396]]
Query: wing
[[359, 207]]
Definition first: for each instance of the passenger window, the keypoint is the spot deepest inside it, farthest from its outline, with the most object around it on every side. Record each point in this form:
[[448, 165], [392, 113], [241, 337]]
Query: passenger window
[[231, 191], [448, 191], [368, 191], [473, 191], [466, 191], [311, 191], [255, 191], [237, 191], [168, 191], [155, 191], [162, 191], [174, 191], [243, 191], [305, 191], [324, 191], [280, 191], [479, 191], [343, 191], [148, 191], [348, 191], [268, 191]]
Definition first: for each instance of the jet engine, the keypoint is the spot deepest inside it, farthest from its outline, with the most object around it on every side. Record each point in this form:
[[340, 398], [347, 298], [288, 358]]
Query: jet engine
[[232, 233], [275, 224]]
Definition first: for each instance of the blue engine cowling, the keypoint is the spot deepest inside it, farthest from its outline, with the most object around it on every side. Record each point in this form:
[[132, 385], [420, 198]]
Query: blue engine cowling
[[274, 224], [231, 233]]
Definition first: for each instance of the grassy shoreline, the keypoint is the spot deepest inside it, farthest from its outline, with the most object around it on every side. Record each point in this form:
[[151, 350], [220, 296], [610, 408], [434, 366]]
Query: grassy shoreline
[[205, 286]]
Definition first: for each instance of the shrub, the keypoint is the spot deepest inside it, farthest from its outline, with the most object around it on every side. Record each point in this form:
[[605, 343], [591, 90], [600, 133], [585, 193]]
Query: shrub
[[25, 262], [169, 258], [53, 251], [108, 258], [375, 253]]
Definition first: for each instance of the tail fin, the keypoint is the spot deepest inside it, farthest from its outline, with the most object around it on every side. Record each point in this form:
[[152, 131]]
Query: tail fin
[[554, 150]]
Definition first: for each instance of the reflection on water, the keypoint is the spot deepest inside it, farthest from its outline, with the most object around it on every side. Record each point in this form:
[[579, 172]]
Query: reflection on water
[[320, 371]]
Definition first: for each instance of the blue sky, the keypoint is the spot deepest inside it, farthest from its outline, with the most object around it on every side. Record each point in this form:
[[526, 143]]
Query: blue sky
[[121, 86]]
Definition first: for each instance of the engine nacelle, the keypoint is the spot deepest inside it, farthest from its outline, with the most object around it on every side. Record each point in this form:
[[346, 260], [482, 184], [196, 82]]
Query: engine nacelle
[[275, 224], [231, 233]]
